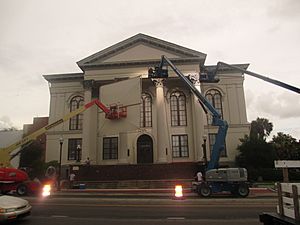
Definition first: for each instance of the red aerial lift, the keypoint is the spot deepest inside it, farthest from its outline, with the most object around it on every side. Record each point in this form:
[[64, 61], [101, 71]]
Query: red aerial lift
[[12, 179]]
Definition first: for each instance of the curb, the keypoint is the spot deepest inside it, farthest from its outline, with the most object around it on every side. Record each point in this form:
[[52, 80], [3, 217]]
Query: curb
[[147, 193]]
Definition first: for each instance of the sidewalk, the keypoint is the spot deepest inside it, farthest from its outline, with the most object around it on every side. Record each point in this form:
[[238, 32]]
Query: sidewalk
[[148, 193]]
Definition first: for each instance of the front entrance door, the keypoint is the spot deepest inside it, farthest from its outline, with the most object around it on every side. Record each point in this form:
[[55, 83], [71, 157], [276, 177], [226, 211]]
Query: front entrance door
[[144, 149]]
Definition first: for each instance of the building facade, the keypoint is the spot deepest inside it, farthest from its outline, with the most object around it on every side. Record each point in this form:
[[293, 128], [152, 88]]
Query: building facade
[[164, 122]]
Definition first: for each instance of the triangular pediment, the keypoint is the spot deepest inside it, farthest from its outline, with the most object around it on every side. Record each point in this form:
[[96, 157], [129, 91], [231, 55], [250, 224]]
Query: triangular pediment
[[139, 49]]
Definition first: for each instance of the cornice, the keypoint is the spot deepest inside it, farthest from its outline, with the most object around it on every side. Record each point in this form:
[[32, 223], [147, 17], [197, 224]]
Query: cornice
[[225, 69], [64, 77], [139, 63], [140, 38]]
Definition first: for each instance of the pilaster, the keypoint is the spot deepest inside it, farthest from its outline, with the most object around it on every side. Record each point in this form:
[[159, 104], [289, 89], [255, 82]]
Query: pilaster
[[199, 120], [89, 129], [162, 125]]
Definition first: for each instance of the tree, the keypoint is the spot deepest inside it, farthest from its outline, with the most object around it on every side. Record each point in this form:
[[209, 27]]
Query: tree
[[8, 129], [286, 147], [254, 152], [260, 128], [31, 157]]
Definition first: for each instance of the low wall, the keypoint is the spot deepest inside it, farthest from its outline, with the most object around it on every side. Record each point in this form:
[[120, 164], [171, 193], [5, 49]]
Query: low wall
[[135, 172]]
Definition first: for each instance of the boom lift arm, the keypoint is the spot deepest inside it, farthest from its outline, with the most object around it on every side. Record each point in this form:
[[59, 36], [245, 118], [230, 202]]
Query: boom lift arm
[[217, 120], [267, 79], [5, 154], [160, 72]]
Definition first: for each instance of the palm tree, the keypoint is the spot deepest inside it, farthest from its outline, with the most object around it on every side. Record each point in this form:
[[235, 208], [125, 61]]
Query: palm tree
[[260, 128]]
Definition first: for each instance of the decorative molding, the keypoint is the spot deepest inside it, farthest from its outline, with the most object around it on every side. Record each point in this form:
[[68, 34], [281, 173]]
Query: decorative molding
[[64, 77], [138, 63], [194, 78], [181, 51], [88, 84], [158, 82]]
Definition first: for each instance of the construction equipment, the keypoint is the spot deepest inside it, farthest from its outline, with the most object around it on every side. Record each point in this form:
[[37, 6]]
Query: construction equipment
[[12, 179], [267, 79], [217, 180], [233, 180]]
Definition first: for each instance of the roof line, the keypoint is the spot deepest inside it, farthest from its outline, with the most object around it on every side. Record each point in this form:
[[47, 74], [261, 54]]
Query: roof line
[[144, 38]]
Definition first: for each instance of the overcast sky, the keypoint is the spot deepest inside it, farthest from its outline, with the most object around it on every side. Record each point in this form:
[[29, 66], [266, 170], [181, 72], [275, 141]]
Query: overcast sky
[[44, 37]]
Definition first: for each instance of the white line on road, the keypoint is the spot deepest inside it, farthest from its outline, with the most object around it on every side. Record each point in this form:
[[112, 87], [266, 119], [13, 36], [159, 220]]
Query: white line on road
[[59, 216], [176, 218]]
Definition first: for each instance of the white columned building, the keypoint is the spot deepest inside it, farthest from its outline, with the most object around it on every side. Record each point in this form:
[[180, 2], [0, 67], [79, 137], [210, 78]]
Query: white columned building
[[164, 124]]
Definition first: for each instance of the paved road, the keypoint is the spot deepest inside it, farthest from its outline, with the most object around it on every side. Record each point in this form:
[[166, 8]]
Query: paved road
[[89, 211]]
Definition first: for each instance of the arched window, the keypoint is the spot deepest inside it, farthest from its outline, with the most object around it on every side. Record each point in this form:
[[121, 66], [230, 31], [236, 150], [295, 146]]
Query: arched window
[[76, 121], [146, 110], [178, 109], [215, 98]]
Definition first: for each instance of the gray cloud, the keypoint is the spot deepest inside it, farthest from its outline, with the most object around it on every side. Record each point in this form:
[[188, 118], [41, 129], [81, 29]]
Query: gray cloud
[[283, 106], [51, 36], [5, 123], [287, 9]]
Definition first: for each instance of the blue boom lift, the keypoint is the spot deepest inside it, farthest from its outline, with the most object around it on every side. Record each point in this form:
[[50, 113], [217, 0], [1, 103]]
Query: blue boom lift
[[232, 180]]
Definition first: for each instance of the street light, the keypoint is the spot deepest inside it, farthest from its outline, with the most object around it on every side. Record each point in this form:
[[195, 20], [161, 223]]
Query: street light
[[61, 141], [204, 150]]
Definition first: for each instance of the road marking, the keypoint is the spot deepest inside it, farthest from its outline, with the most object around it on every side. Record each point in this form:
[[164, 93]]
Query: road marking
[[176, 218], [58, 216], [154, 206]]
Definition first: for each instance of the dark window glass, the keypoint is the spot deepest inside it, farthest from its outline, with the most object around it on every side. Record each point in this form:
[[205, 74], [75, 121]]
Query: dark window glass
[[74, 149], [110, 148], [178, 109], [76, 121], [180, 146], [146, 111], [215, 98]]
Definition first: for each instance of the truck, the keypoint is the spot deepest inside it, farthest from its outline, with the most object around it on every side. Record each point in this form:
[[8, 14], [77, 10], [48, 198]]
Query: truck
[[12, 179], [233, 180], [288, 210]]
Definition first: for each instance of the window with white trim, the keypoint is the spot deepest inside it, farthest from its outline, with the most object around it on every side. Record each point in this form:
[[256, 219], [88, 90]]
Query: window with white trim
[[76, 121], [178, 109], [146, 111], [215, 98], [180, 146], [110, 148]]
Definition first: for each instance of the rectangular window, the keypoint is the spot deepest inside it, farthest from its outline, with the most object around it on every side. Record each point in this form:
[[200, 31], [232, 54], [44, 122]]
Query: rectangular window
[[146, 111], [110, 148], [76, 122], [180, 146], [212, 141], [74, 148]]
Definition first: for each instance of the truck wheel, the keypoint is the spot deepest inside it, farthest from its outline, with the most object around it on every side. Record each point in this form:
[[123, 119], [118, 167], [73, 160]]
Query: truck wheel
[[205, 190], [21, 189], [243, 190]]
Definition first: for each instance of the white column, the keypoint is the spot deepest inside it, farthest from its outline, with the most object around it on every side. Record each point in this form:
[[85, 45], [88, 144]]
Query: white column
[[89, 130], [162, 125], [199, 121]]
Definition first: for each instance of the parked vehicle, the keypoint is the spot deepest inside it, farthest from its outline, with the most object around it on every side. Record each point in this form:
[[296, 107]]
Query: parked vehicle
[[12, 208]]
